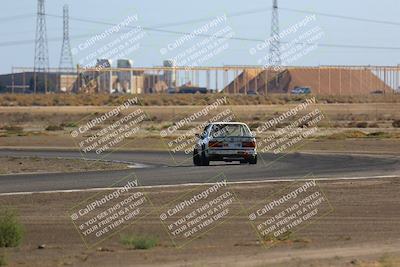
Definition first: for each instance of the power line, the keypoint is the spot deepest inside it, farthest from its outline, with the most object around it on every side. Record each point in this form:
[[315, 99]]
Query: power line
[[156, 29], [341, 16], [236, 38], [349, 46], [232, 15], [16, 17]]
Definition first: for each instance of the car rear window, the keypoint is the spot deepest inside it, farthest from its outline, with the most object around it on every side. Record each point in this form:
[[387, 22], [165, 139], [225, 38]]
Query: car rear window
[[225, 130]]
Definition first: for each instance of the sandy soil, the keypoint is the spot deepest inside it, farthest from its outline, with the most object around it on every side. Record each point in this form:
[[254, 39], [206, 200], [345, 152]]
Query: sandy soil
[[12, 165], [362, 230]]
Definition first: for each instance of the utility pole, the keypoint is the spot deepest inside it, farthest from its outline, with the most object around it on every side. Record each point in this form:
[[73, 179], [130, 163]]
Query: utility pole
[[41, 65], [66, 61], [274, 49]]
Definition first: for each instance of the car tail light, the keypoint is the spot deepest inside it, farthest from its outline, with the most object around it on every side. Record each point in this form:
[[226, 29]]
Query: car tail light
[[214, 144], [249, 144]]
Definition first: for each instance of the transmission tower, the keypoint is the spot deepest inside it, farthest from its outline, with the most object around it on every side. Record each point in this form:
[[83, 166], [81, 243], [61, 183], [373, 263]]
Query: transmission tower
[[274, 50], [66, 62], [41, 65]]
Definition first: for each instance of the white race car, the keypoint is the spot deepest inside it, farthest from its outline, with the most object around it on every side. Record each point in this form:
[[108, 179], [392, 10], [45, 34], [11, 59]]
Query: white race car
[[225, 141]]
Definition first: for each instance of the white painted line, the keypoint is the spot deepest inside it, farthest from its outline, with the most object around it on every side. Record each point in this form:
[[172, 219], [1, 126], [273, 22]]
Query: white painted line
[[196, 184]]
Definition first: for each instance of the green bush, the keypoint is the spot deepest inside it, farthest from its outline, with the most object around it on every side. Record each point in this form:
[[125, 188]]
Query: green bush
[[139, 242], [11, 230]]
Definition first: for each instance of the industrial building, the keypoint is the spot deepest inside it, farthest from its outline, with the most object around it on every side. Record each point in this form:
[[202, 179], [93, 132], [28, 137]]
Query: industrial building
[[23, 81]]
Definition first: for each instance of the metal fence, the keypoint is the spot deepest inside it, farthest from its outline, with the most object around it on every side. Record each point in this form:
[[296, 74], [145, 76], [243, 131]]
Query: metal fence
[[250, 80]]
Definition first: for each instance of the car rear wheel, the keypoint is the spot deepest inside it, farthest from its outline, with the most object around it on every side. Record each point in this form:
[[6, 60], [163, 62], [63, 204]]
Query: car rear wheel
[[196, 158], [205, 161], [253, 160]]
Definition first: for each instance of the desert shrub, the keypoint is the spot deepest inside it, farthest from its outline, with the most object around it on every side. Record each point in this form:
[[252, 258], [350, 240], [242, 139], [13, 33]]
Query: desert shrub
[[139, 242], [352, 124], [347, 134], [254, 125], [379, 135], [69, 124], [54, 128], [396, 124], [362, 124], [354, 134], [11, 230], [97, 128], [13, 129]]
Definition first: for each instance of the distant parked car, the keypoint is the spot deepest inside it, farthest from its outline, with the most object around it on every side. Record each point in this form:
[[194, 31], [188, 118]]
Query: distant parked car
[[252, 92], [378, 92], [192, 90], [301, 91], [171, 90], [225, 141]]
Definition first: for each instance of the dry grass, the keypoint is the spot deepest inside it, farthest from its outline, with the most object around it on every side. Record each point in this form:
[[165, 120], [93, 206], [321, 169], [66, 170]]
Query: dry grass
[[51, 126], [179, 100], [12, 165]]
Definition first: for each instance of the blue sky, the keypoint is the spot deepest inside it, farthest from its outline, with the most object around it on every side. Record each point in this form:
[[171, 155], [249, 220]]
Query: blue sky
[[256, 26]]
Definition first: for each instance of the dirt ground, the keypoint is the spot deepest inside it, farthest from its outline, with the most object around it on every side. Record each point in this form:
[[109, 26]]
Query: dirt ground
[[370, 145], [362, 229], [13, 165]]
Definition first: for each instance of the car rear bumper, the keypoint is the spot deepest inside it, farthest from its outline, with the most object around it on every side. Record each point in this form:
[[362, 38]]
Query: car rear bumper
[[232, 153]]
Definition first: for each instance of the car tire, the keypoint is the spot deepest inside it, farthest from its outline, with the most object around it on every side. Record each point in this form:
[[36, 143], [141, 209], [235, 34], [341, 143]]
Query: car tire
[[196, 158], [253, 160], [205, 161]]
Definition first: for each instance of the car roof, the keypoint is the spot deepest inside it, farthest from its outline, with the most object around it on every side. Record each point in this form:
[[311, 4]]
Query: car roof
[[240, 123]]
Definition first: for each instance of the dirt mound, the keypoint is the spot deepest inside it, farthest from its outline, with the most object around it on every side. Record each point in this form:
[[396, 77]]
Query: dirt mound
[[324, 81]]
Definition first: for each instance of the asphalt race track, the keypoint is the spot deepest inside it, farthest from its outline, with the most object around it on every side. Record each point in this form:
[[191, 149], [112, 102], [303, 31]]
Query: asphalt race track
[[158, 168]]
